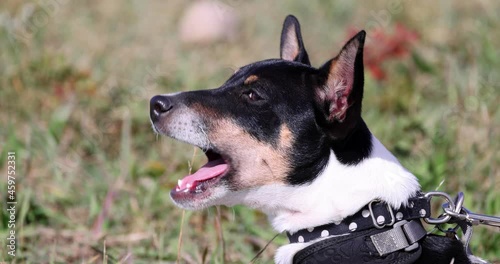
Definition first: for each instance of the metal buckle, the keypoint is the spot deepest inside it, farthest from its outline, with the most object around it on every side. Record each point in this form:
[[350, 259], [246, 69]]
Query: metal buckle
[[389, 209], [415, 244], [403, 235], [442, 218]]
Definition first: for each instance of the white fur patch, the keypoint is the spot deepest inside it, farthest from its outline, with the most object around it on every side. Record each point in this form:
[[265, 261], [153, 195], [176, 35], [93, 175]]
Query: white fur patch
[[475, 259], [339, 191], [188, 128], [285, 254], [185, 125]]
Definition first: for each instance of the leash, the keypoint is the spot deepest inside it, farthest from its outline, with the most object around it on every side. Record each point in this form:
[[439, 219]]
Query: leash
[[456, 213], [380, 234]]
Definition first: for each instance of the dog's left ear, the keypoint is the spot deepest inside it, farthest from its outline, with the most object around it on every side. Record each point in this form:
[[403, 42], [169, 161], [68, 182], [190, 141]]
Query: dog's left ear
[[342, 91], [291, 46]]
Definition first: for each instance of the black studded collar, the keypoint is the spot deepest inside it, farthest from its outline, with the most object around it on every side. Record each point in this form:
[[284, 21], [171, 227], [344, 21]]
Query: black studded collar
[[376, 214]]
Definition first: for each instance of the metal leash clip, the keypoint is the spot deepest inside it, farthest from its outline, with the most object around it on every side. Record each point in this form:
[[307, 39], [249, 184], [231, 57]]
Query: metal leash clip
[[473, 218], [454, 210], [461, 213], [455, 213]]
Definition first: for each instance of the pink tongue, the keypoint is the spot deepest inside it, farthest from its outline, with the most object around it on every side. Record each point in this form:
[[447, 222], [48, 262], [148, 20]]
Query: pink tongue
[[208, 171]]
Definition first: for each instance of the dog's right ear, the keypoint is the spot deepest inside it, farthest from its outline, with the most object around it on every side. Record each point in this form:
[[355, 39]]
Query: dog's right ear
[[292, 48]]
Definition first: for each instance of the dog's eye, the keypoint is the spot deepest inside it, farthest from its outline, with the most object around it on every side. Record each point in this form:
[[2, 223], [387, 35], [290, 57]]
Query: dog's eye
[[252, 96]]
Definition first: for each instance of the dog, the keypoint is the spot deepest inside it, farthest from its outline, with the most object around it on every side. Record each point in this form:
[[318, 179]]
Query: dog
[[288, 139]]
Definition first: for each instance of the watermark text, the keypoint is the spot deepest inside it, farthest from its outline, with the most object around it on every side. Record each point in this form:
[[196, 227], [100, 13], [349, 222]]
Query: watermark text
[[11, 203]]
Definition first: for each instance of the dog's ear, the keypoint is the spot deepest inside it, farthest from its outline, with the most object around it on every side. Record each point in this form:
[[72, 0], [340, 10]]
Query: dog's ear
[[291, 46], [339, 97]]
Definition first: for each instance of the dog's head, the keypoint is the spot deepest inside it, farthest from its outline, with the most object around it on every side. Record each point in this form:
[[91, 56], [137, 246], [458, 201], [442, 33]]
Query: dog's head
[[273, 122]]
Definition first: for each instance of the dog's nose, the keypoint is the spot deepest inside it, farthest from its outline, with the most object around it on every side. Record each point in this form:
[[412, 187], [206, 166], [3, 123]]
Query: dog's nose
[[158, 105]]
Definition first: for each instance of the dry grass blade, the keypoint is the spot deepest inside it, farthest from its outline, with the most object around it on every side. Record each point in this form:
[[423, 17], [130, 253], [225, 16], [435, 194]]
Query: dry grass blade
[[105, 256], [264, 248], [179, 243], [119, 183], [220, 233]]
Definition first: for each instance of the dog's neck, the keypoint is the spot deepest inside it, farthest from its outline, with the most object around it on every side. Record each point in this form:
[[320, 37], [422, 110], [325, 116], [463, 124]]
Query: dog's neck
[[339, 191]]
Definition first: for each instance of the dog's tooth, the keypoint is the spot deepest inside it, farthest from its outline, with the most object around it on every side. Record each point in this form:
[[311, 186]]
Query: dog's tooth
[[186, 190], [179, 182], [188, 185]]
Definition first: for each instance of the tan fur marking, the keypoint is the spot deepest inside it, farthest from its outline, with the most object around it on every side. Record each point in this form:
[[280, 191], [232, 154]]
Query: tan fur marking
[[251, 79], [203, 110], [286, 137], [257, 163]]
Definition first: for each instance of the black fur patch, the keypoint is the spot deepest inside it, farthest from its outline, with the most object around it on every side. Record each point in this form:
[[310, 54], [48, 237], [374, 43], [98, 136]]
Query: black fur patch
[[355, 147], [287, 92], [441, 250]]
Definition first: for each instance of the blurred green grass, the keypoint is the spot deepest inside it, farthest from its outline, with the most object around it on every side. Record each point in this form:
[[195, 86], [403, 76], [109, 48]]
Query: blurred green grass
[[74, 107]]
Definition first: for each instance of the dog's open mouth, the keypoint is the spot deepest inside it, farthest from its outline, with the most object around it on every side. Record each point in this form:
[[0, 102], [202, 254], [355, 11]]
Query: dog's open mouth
[[208, 175]]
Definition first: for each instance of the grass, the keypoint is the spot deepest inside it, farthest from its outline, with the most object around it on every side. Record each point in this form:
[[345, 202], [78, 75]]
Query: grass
[[93, 180]]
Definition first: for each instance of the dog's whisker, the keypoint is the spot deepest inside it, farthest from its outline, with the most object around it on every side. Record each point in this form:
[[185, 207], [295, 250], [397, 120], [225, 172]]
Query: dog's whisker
[[268, 167]]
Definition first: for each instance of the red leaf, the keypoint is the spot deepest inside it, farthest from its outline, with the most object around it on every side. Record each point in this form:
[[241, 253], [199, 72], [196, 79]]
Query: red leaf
[[386, 45]]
